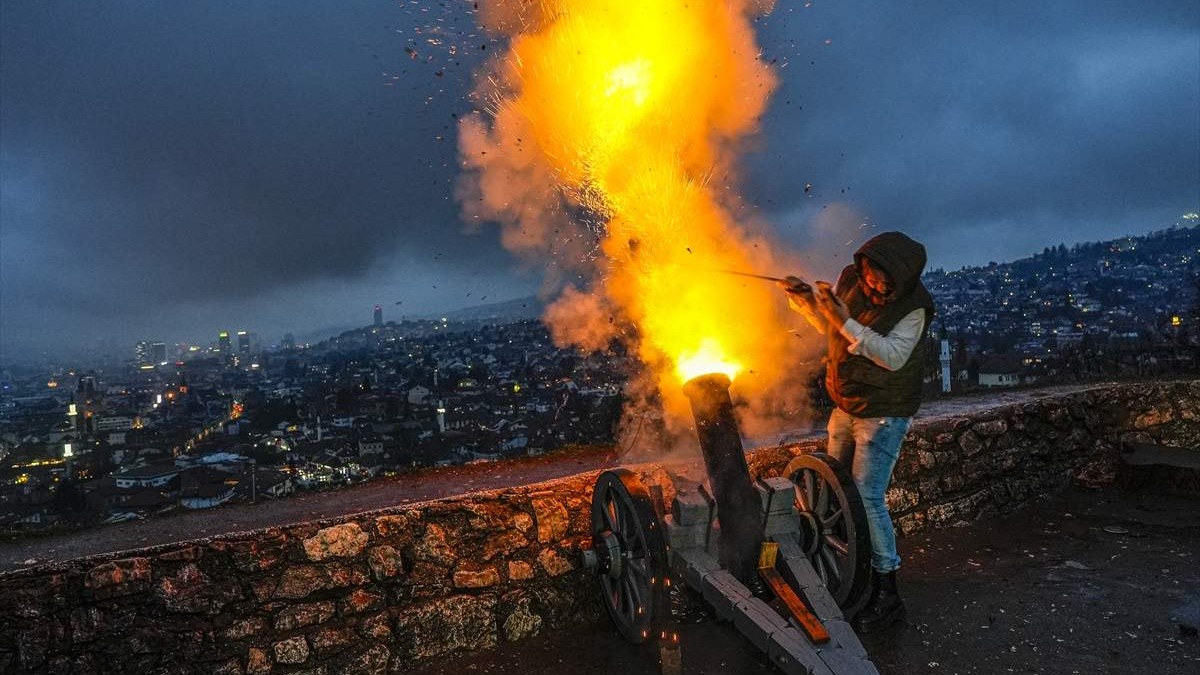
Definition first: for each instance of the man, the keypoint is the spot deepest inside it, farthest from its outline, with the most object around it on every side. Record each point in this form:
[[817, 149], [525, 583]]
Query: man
[[875, 320]]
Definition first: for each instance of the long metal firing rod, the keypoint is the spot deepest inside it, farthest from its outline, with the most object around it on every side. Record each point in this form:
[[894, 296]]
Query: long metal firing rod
[[752, 276], [802, 284]]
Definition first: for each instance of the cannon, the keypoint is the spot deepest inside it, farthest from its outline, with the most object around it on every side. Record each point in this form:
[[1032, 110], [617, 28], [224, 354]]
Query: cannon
[[784, 559]]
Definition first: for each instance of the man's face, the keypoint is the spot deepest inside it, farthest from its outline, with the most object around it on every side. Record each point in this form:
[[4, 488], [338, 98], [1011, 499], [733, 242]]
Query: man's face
[[876, 284]]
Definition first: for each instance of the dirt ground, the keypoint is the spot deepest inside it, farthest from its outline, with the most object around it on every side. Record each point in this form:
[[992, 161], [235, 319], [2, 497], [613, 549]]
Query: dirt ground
[[1086, 582]]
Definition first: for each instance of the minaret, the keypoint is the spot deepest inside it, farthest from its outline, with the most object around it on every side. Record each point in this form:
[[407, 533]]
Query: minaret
[[945, 358]]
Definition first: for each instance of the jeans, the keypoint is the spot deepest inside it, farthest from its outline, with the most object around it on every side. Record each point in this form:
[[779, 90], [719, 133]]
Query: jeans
[[869, 446]]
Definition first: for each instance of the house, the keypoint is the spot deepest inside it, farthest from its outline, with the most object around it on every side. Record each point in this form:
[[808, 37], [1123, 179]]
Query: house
[[1000, 371], [204, 487], [157, 474]]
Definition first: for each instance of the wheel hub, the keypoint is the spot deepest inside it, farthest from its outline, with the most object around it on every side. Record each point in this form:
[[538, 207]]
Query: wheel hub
[[609, 557]]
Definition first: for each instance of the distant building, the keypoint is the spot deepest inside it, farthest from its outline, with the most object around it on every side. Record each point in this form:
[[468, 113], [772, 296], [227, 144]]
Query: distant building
[[142, 352], [243, 343], [223, 344], [1000, 371], [158, 353], [112, 423], [151, 475], [289, 342], [378, 316]]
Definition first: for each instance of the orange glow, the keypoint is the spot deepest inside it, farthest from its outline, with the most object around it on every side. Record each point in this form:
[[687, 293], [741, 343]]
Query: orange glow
[[635, 112]]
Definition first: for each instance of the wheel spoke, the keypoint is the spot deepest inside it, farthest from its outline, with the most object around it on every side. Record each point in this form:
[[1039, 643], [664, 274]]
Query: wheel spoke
[[819, 565], [832, 519], [827, 555], [837, 544], [609, 511], [635, 596], [801, 496], [822, 498], [638, 566], [810, 488], [623, 518]]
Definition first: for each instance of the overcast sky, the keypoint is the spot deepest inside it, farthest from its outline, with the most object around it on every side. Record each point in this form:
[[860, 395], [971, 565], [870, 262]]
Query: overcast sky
[[171, 169]]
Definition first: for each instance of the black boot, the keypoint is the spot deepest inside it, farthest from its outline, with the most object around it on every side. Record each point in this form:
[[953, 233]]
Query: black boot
[[885, 607]]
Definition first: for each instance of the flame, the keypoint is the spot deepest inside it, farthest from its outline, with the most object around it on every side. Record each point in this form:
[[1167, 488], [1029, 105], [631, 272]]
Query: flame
[[634, 112], [709, 358]]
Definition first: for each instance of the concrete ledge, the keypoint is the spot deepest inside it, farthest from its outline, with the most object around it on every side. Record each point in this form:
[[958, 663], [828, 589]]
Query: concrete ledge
[[380, 591]]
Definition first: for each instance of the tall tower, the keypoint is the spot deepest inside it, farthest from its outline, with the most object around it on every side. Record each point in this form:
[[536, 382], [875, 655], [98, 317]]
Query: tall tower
[[243, 343], [223, 343], [141, 352], [378, 316], [945, 360]]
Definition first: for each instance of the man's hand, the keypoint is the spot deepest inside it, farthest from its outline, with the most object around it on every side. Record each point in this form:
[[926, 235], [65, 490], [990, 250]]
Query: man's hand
[[799, 294], [831, 306]]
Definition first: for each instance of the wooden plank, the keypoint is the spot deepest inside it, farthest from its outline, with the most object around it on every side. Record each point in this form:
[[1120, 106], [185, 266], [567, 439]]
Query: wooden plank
[[808, 621]]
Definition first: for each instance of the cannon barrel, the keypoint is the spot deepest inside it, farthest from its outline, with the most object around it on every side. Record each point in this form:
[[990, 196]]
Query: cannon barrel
[[739, 509]]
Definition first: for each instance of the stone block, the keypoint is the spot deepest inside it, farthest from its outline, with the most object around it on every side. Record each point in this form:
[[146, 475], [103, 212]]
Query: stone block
[[791, 652], [344, 575], [503, 544], [376, 627], [990, 427], [927, 460], [970, 443], [757, 621], [521, 622], [519, 570], [371, 661], [433, 547], [361, 600], [777, 495], [307, 614], [395, 525], [899, 499], [691, 507], [244, 628], [482, 578], [521, 522], [118, 577], [841, 634], [723, 591], [257, 662], [460, 622], [339, 541], [554, 562], [684, 536], [385, 562], [552, 519], [329, 640], [300, 581], [693, 565], [781, 523], [844, 662], [291, 651]]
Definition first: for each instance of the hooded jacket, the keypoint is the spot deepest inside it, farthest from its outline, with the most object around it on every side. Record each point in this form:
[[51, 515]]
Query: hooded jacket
[[855, 383]]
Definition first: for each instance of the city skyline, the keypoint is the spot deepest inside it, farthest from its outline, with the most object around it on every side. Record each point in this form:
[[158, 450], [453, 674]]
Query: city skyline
[[286, 167]]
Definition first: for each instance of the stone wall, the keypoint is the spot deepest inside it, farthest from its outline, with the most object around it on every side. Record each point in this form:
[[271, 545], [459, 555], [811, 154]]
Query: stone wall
[[379, 592]]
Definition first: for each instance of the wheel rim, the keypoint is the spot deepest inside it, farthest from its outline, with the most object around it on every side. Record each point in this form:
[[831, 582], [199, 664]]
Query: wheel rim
[[627, 537], [834, 532]]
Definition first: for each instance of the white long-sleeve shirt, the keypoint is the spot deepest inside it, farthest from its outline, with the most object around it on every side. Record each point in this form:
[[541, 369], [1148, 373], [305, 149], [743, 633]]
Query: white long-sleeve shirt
[[889, 351]]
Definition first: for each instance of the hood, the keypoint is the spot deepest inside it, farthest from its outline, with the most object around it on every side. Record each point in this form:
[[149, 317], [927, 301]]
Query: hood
[[897, 254]]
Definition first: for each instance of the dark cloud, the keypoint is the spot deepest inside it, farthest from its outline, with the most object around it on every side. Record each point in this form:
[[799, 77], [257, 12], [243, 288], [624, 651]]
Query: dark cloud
[[167, 169], [160, 159], [990, 129]]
